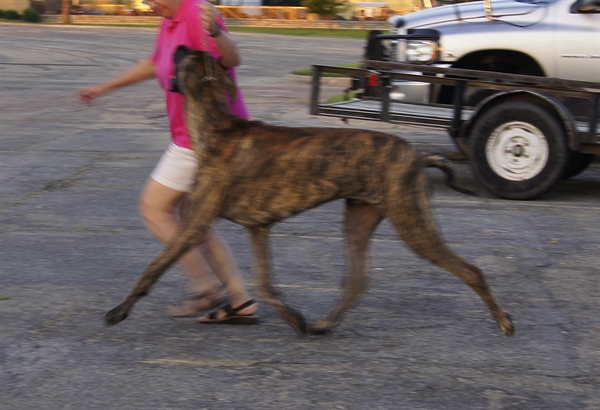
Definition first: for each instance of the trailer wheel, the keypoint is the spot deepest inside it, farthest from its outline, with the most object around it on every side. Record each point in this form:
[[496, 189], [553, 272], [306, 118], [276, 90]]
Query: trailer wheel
[[518, 150]]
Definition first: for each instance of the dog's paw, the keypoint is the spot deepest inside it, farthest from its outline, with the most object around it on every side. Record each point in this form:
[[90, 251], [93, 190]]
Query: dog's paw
[[115, 316], [321, 328], [506, 325], [295, 319]]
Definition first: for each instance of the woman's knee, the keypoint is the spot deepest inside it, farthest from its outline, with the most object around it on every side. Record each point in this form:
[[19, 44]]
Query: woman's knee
[[158, 201], [147, 207]]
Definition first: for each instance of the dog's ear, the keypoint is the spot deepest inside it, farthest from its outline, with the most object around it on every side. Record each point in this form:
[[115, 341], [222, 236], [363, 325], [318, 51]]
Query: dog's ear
[[228, 84]]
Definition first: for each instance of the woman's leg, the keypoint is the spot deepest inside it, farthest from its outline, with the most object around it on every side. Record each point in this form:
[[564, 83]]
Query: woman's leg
[[158, 206], [219, 257]]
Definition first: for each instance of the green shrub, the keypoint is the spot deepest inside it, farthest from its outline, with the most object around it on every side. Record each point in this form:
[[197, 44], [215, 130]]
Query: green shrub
[[12, 15], [2, 14], [31, 15], [344, 97]]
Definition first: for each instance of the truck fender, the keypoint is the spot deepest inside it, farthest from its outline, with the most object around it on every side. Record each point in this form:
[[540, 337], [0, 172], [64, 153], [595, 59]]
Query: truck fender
[[553, 105]]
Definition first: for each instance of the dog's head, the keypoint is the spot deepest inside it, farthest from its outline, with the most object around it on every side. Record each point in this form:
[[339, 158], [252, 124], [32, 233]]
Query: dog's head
[[198, 75]]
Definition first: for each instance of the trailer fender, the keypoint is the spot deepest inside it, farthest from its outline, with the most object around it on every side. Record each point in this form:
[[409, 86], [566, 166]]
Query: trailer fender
[[555, 106]]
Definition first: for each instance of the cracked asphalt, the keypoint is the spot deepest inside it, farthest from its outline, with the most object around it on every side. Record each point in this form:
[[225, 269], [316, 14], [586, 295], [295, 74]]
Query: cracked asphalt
[[72, 245]]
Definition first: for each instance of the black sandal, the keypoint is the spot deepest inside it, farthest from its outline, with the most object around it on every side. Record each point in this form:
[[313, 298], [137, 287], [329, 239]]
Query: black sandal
[[198, 303], [232, 317]]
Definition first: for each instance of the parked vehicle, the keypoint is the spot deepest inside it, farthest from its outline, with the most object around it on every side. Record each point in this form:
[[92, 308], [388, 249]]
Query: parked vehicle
[[551, 38], [515, 82]]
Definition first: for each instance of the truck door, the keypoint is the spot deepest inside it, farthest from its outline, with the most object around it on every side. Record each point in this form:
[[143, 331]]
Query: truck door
[[578, 40]]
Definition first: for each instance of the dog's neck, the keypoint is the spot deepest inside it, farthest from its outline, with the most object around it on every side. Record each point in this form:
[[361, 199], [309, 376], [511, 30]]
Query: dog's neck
[[206, 118]]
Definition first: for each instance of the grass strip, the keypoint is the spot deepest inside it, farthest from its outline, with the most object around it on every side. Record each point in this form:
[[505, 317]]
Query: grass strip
[[301, 32], [298, 32], [343, 97], [309, 71]]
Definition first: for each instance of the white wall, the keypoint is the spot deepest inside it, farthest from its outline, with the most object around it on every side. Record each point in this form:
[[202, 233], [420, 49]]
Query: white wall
[[18, 5]]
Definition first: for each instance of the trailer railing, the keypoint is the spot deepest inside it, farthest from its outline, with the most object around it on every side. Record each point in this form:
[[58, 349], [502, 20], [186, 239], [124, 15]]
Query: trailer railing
[[381, 74]]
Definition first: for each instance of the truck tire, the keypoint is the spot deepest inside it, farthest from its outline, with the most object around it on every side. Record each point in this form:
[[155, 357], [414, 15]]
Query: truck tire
[[518, 150], [578, 162], [374, 49]]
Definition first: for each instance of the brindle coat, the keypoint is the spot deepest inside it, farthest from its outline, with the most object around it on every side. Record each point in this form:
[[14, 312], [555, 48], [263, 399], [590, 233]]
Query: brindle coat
[[256, 174]]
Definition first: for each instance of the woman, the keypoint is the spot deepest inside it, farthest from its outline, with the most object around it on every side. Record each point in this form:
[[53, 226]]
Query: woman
[[196, 24]]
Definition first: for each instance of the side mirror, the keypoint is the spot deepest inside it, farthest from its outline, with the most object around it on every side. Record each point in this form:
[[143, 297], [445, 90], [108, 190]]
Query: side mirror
[[586, 6]]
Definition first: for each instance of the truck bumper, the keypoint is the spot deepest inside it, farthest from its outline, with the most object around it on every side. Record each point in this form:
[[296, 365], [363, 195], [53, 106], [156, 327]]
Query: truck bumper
[[410, 91]]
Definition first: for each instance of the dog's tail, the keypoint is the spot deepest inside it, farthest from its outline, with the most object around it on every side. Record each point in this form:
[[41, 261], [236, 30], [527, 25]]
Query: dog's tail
[[436, 161]]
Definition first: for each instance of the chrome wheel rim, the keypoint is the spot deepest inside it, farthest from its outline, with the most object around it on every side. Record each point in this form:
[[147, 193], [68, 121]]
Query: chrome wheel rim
[[517, 151]]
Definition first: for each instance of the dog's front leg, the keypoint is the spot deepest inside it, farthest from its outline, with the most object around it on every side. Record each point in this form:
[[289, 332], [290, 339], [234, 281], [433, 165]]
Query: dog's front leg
[[159, 265], [260, 245], [205, 202]]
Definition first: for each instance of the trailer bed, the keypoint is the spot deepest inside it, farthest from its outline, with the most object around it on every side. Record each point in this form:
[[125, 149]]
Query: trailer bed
[[400, 113], [450, 117], [406, 113]]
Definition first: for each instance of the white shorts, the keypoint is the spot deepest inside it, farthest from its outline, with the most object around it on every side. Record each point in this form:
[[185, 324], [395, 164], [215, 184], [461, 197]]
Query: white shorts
[[176, 169]]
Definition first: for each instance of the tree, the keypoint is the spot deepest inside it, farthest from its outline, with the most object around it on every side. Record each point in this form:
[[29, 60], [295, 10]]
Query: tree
[[326, 8], [66, 11]]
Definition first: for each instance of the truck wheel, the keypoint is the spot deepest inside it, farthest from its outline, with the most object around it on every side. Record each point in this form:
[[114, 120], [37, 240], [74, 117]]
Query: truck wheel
[[578, 162], [518, 150]]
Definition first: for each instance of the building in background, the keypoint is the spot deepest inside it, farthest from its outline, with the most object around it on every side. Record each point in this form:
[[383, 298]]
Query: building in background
[[17, 5], [360, 9]]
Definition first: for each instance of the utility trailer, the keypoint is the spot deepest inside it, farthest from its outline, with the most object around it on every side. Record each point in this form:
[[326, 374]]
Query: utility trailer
[[526, 135]]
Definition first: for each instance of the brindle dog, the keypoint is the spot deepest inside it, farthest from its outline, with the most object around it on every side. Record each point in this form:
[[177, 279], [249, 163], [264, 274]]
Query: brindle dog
[[256, 174]]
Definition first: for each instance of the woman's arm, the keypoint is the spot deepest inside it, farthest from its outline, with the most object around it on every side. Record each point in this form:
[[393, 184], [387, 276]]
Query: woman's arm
[[141, 71], [227, 47]]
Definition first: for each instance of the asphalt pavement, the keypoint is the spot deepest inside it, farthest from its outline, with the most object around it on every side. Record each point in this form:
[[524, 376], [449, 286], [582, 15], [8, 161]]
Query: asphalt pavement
[[72, 244]]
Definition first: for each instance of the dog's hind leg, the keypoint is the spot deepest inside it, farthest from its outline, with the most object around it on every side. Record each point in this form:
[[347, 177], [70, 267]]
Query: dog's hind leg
[[411, 215], [259, 236], [360, 221]]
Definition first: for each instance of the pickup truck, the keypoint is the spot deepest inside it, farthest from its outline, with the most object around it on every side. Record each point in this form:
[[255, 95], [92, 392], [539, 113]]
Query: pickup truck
[[551, 38], [515, 82]]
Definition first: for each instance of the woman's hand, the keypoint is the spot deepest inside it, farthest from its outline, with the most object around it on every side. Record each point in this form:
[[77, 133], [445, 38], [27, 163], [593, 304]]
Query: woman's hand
[[89, 94], [141, 71], [230, 56], [209, 14]]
